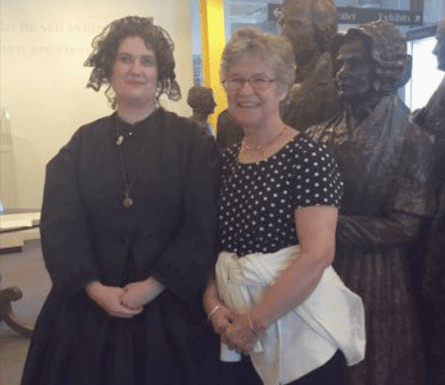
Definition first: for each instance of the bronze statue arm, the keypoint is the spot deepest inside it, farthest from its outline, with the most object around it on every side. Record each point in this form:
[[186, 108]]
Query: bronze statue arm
[[396, 229]]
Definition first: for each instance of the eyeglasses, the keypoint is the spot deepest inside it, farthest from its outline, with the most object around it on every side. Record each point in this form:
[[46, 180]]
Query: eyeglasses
[[236, 83]]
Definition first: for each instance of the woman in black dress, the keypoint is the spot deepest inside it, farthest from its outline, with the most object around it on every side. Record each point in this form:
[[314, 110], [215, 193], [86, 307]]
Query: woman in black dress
[[127, 228], [270, 295]]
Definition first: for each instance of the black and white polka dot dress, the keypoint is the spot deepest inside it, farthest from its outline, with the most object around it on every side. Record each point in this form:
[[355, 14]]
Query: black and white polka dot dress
[[258, 200]]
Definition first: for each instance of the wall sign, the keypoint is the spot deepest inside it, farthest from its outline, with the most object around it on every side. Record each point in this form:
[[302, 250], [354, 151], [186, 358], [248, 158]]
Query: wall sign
[[421, 33], [351, 15], [273, 12]]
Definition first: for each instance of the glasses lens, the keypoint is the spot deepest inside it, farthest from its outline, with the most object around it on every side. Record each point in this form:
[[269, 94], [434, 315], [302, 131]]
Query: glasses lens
[[256, 83], [260, 83], [235, 83]]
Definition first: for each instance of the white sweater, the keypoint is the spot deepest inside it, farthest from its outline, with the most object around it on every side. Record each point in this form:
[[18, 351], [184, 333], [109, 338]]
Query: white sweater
[[331, 318]]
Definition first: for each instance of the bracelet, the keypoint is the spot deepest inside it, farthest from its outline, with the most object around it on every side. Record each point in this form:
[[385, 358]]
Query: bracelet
[[214, 310]]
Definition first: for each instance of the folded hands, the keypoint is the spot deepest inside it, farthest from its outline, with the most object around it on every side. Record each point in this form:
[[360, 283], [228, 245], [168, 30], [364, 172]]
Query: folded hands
[[124, 302], [236, 330]]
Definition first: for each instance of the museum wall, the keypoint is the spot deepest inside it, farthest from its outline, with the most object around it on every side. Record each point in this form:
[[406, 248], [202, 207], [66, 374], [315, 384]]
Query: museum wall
[[44, 44], [433, 10]]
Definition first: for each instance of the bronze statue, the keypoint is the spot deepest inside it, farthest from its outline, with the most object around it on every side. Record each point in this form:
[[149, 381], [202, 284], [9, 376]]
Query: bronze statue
[[384, 160], [432, 119], [311, 26], [203, 104], [228, 130]]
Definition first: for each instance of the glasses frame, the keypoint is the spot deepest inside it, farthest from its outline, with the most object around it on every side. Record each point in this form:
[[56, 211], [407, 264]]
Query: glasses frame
[[244, 81]]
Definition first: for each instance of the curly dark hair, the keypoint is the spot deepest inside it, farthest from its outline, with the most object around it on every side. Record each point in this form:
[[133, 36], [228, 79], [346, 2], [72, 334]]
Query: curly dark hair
[[388, 52], [106, 45]]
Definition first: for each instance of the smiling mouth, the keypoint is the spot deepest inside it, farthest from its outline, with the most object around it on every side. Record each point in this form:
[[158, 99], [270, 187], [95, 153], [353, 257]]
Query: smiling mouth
[[248, 105]]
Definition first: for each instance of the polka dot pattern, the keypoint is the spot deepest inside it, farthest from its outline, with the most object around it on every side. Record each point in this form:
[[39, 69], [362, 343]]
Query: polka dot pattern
[[258, 200]]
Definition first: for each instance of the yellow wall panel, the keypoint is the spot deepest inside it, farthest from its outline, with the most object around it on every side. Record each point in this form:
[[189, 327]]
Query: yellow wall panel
[[213, 41]]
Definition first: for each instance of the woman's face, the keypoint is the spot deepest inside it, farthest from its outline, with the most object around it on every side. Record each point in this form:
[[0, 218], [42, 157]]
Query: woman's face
[[251, 107], [135, 73]]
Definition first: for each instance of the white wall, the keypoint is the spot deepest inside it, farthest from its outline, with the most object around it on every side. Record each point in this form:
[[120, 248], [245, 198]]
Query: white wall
[[433, 10], [44, 44]]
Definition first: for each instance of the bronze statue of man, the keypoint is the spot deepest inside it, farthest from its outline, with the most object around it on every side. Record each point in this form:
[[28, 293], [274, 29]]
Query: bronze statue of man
[[310, 25], [432, 119], [384, 160], [203, 104]]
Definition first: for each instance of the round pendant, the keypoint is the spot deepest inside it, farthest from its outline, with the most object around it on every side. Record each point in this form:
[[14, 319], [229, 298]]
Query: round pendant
[[128, 202]]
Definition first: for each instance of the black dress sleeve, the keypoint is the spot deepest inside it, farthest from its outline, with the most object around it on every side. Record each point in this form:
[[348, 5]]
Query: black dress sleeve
[[185, 262], [65, 231]]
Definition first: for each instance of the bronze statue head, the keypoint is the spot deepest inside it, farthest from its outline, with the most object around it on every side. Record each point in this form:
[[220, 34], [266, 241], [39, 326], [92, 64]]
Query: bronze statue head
[[439, 49], [310, 25], [369, 60], [354, 68], [201, 100]]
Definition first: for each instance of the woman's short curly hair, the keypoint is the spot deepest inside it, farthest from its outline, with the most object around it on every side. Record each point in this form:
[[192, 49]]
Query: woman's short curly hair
[[388, 51], [106, 45], [271, 48]]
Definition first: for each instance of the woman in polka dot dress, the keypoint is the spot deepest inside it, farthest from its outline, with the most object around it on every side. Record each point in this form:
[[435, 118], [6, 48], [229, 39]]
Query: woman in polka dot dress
[[275, 296]]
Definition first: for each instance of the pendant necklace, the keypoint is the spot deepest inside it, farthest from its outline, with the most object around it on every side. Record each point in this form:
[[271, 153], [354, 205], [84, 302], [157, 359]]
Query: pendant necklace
[[128, 182], [265, 145]]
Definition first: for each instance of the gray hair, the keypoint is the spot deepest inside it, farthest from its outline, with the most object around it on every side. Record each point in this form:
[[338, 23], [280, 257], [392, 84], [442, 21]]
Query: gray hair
[[272, 48]]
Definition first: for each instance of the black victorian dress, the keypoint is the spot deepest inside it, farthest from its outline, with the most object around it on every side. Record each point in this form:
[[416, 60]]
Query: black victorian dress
[[87, 234]]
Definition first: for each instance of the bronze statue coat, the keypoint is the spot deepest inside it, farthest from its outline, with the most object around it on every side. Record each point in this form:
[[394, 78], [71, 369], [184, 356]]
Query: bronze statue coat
[[385, 166]]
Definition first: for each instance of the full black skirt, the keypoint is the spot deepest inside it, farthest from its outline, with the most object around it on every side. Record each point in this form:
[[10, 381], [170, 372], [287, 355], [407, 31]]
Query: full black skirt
[[76, 342]]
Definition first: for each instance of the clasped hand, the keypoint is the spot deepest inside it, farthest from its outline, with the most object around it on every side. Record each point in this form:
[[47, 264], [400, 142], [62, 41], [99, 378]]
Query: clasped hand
[[233, 328], [124, 302]]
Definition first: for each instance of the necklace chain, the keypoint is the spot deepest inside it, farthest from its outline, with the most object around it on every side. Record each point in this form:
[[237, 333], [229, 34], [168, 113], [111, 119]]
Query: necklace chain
[[128, 183], [265, 145]]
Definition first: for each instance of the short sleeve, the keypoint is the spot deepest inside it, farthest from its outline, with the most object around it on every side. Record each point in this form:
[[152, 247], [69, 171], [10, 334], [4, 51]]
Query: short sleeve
[[317, 180]]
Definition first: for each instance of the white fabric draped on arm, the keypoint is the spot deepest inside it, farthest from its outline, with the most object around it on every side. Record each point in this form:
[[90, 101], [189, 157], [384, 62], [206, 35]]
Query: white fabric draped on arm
[[331, 318]]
